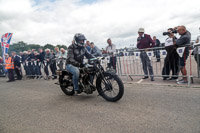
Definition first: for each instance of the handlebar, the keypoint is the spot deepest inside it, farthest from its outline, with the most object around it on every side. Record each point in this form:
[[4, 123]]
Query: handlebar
[[97, 58]]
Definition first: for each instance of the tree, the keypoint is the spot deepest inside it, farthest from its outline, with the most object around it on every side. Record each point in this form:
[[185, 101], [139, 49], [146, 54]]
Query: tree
[[17, 47], [49, 46], [21, 46], [34, 46], [62, 46]]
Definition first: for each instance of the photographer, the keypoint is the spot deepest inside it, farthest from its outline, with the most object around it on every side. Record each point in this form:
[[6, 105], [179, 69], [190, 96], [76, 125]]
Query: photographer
[[185, 37], [171, 60]]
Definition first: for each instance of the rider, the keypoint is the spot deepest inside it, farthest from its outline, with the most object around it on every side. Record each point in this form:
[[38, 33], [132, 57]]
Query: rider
[[75, 56]]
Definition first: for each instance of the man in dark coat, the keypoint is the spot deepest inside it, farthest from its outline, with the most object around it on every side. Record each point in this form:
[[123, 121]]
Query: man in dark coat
[[17, 65]]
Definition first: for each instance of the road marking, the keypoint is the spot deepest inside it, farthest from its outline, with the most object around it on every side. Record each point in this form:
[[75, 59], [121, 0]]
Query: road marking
[[140, 81]]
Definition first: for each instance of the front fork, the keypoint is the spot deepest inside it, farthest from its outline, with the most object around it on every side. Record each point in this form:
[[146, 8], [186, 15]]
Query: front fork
[[107, 83]]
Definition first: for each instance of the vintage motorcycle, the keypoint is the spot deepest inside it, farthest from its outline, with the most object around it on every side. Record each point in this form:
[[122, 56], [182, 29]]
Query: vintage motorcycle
[[108, 83]]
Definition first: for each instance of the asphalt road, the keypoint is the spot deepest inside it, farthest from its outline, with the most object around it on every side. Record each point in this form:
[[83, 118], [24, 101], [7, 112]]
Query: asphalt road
[[33, 106]]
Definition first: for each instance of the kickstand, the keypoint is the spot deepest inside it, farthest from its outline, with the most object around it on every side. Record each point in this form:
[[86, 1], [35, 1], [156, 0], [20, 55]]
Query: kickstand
[[130, 77]]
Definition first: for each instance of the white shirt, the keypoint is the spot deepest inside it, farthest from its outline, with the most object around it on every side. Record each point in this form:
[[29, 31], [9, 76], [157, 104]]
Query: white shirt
[[197, 48], [169, 42], [111, 49], [63, 55]]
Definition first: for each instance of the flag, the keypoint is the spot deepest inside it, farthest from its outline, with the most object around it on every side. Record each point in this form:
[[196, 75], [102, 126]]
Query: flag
[[5, 43], [163, 53], [150, 54], [180, 51], [137, 54]]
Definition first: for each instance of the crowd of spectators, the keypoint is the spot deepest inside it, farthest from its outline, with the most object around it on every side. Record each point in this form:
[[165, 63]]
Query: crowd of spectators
[[33, 60], [173, 61]]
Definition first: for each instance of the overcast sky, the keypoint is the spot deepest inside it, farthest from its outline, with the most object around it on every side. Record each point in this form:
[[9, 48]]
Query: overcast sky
[[56, 21]]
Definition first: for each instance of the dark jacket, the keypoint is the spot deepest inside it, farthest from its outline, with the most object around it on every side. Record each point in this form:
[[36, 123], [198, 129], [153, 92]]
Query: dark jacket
[[24, 57], [36, 58], [41, 56], [16, 61], [184, 40], [30, 57], [157, 43], [1, 61], [76, 55], [144, 42]]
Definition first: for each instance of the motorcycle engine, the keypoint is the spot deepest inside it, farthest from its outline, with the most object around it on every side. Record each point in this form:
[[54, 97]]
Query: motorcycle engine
[[87, 86]]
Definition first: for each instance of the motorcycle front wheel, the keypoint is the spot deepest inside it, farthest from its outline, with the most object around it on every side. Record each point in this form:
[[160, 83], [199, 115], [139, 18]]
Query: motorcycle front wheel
[[110, 87]]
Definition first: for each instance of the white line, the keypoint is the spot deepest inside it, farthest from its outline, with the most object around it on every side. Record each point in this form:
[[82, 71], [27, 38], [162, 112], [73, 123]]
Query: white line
[[140, 81]]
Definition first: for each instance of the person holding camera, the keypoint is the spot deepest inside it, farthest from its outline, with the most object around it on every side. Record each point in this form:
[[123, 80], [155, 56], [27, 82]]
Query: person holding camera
[[171, 59], [143, 43], [185, 37]]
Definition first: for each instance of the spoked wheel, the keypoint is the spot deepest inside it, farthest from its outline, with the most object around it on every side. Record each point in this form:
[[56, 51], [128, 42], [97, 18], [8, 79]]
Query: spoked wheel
[[110, 88], [68, 90]]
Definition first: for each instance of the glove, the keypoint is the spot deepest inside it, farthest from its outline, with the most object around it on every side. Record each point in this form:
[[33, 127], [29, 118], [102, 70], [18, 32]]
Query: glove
[[82, 65], [88, 65], [76, 64]]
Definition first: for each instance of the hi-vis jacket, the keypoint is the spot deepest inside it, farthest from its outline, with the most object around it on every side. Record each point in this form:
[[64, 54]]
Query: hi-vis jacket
[[9, 63]]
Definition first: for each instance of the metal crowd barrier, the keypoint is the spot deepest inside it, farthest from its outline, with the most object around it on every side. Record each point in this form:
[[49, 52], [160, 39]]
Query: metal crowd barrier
[[130, 65], [59, 65]]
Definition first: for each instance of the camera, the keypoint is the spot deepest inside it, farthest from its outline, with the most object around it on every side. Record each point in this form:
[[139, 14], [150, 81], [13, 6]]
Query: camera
[[167, 33]]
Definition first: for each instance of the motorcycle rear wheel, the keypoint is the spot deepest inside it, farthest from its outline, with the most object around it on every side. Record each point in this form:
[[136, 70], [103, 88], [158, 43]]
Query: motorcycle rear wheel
[[68, 90]]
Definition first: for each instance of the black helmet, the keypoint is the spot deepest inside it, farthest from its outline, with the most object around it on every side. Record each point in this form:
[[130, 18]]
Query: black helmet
[[79, 38]]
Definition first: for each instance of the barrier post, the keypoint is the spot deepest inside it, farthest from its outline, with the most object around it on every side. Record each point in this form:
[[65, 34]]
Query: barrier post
[[120, 66], [190, 68]]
